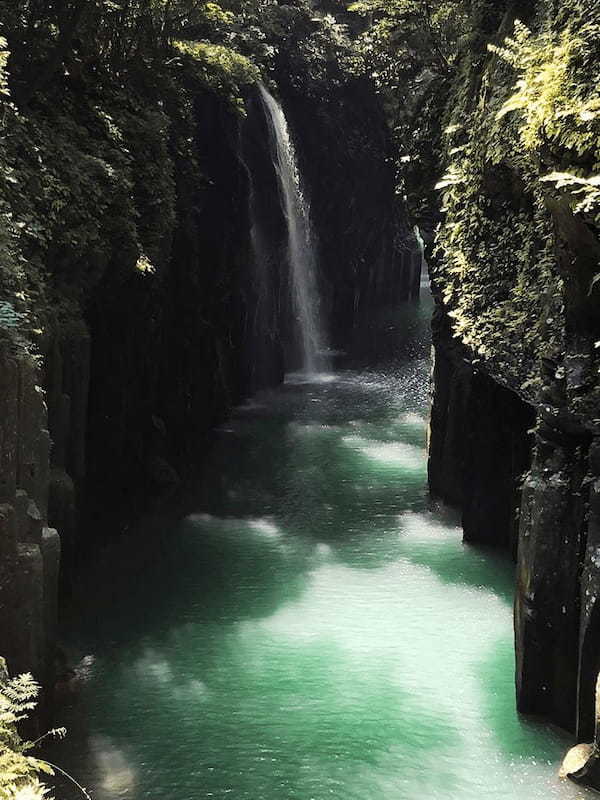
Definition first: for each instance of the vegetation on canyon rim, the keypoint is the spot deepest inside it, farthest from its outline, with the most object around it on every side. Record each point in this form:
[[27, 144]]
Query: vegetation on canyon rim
[[97, 104], [97, 100]]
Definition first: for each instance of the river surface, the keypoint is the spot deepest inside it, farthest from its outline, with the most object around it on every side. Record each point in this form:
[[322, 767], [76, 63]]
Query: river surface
[[310, 627]]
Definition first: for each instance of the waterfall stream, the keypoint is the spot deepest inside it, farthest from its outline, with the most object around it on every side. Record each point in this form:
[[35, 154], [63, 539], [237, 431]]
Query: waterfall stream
[[301, 250], [421, 267]]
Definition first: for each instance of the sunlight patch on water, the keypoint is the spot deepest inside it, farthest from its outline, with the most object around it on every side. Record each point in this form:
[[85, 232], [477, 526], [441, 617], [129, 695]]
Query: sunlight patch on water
[[312, 428], [265, 527], [238, 530], [116, 776], [427, 527], [153, 666], [357, 615], [201, 518], [399, 454], [323, 551], [251, 405]]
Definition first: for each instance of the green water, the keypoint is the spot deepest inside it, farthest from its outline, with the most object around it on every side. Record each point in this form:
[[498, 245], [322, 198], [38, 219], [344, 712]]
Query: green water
[[308, 628]]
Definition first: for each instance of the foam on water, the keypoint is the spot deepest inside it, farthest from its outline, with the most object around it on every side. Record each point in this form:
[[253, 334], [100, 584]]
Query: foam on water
[[308, 377], [411, 418]]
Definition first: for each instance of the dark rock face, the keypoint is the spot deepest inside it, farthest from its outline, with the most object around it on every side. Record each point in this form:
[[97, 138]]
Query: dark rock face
[[202, 335], [29, 549], [557, 620], [480, 450], [547, 605], [479, 443]]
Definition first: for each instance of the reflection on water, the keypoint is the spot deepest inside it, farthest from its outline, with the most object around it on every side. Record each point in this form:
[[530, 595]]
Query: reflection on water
[[309, 627]]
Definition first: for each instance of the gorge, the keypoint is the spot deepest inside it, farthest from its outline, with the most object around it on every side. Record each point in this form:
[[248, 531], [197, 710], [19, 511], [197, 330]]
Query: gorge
[[254, 542]]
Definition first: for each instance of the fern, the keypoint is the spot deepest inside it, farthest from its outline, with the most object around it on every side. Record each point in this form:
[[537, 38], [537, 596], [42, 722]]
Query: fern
[[18, 771], [555, 107], [4, 56]]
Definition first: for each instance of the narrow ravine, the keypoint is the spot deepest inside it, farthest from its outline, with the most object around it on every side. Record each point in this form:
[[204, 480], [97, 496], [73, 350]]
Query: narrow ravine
[[313, 628]]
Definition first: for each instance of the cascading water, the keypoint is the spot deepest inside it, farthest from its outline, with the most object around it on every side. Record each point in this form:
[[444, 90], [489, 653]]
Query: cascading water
[[422, 277], [301, 251]]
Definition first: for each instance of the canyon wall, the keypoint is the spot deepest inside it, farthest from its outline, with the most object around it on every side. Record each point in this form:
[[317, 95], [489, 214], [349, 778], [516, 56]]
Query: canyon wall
[[29, 548], [515, 421]]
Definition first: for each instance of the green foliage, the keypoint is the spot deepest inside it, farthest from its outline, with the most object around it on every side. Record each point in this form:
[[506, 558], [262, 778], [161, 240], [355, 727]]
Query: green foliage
[[413, 34], [411, 49], [559, 112], [18, 770], [4, 56], [220, 68], [103, 110], [510, 148]]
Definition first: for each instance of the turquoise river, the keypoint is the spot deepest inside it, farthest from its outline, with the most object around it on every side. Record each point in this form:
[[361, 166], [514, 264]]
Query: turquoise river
[[308, 625]]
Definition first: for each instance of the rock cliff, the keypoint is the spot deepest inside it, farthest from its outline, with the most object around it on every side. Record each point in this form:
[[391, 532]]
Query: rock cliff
[[516, 395]]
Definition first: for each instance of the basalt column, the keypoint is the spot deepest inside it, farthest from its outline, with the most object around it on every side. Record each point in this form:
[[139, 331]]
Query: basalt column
[[29, 549]]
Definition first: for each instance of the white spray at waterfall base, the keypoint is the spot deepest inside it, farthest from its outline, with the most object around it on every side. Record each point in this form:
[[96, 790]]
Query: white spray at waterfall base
[[301, 250]]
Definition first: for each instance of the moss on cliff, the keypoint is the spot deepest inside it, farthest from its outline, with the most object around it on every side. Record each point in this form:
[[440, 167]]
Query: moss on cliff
[[523, 137]]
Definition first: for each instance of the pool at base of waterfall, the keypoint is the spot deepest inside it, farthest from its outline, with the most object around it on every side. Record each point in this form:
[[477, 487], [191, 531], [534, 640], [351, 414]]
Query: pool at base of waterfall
[[308, 626]]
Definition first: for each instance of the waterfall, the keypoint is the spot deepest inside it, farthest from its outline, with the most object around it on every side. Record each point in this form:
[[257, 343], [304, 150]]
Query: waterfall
[[422, 278], [301, 250]]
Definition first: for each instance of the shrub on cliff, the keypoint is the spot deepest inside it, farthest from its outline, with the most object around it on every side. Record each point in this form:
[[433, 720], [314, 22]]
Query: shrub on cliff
[[220, 68], [557, 100], [19, 772], [522, 136]]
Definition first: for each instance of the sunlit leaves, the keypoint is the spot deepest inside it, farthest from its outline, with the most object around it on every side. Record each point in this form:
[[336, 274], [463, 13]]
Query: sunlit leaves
[[18, 771], [222, 69], [556, 107], [4, 56]]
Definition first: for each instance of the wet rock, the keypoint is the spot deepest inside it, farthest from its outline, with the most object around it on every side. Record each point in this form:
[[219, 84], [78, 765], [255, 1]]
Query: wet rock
[[8, 426], [589, 633], [575, 760], [547, 591], [582, 762], [27, 651], [162, 474], [8, 532]]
